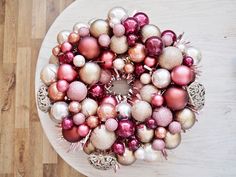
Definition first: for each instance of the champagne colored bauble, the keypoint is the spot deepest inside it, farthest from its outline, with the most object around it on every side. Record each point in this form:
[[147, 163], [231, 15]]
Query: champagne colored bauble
[[141, 110], [176, 98], [144, 134], [172, 140], [127, 158], [147, 92], [182, 75], [74, 107], [116, 15], [99, 27], [124, 109], [106, 111], [63, 36], [160, 132], [88, 147], [49, 74], [58, 111], [119, 45], [194, 53], [79, 60], [89, 48], [186, 118], [77, 91], [137, 53], [90, 73], [79, 25], [119, 64], [145, 78], [161, 78], [92, 121], [54, 94], [101, 138], [148, 31], [170, 57], [89, 107]]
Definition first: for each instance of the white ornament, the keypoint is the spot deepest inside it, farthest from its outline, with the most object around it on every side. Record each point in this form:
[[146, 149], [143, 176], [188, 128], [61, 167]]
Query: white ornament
[[79, 60], [49, 74]]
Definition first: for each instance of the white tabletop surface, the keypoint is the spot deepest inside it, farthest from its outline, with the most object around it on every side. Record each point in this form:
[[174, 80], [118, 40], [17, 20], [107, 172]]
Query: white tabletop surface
[[209, 148]]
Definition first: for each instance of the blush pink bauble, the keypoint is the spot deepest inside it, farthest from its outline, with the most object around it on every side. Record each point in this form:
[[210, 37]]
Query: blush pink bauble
[[66, 72], [182, 75], [77, 91], [163, 116], [89, 48]]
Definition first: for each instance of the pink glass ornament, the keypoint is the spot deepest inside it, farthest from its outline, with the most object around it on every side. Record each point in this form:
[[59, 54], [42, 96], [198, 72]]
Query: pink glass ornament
[[66, 47], [89, 48], [151, 123], [104, 40], [107, 58], [118, 30], [142, 18], [105, 76], [74, 107], [109, 99], [174, 127], [139, 69], [71, 134], [154, 46], [131, 25], [132, 39], [62, 85], [78, 119], [133, 144], [126, 128], [84, 31], [73, 37], [171, 36], [163, 116], [158, 144], [77, 91], [167, 40], [111, 124], [182, 75], [67, 123], [97, 91], [150, 61], [157, 100], [69, 56], [66, 72], [188, 61], [83, 130], [118, 148]]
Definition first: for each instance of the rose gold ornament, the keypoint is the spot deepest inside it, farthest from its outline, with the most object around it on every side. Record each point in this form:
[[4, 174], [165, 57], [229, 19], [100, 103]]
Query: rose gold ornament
[[109, 99], [172, 140], [71, 135], [56, 50], [90, 73], [99, 27], [89, 48], [129, 68], [74, 107], [147, 92], [137, 53], [186, 118], [92, 121], [106, 111], [54, 94], [141, 110], [88, 148], [127, 158], [73, 37], [160, 132]]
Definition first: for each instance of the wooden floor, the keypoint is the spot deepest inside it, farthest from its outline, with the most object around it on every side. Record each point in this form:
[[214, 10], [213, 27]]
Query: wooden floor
[[24, 149]]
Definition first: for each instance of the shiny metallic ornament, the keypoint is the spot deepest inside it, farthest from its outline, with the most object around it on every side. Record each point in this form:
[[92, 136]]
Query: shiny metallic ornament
[[63, 36], [194, 53], [144, 134], [141, 110], [99, 27], [58, 111], [150, 30], [145, 78], [172, 140], [147, 92], [90, 73], [43, 99], [116, 15], [77, 26], [88, 147], [89, 107], [102, 161], [196, 92], [127, 158], [119, 45], [49, 74], [186, 118], [124, 109], [161, 78]]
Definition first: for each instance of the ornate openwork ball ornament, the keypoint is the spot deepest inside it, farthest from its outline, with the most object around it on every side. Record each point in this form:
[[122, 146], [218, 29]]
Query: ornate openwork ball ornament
[[122, 88]]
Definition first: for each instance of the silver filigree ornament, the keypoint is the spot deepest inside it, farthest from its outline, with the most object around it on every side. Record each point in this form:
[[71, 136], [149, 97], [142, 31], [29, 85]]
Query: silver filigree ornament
[[43, 100], [103, 161], [196, 93]]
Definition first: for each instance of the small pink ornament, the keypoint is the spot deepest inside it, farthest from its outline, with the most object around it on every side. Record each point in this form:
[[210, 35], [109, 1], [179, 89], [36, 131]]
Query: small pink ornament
[[92, 121], [77, 91], [66, 72], [131, 25], [154, 46], [168, 37], [118, 30], [139, 69], [151, 123], [96, 91], [89, 48], [174, 127], [107, 57], [163, 116], [133, 144], [69, 56], [157, 100], [74, 107], [67, 123], [105, 76], [66, 47], [104, 40], [106, 111], [188, 61], [84, 31], [142, 18], [126, 128], [132, 39], [111, 124], [182, 75], [83, 130], [109, 99], [118, 148], [150, 61], [78, 119], [167, 40], [158, 145], [62, 85]]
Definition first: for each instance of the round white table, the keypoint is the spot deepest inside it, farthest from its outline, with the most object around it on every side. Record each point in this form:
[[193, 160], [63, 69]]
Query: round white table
[[208, 149]]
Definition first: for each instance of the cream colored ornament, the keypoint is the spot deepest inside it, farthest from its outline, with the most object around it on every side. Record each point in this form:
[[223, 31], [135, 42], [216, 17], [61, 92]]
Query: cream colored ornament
[[63, 36], [116, 15], [127, 158], [150, 30], [144, 134], [170, 57], [147, 91], [172, 140], [59, 111], [79, 60], [90, 73], [77, 26], [119, 64], [186, 118], [101, 138], [119, 45], [49, 74], [145, 78], [99, 27], [141, 110], [124, 109], [88, 147], [194, 53], [89, 107], [161, 78]]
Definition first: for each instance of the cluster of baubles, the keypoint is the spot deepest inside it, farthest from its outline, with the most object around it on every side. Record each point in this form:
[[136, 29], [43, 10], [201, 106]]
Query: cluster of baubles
[[160, 67]]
